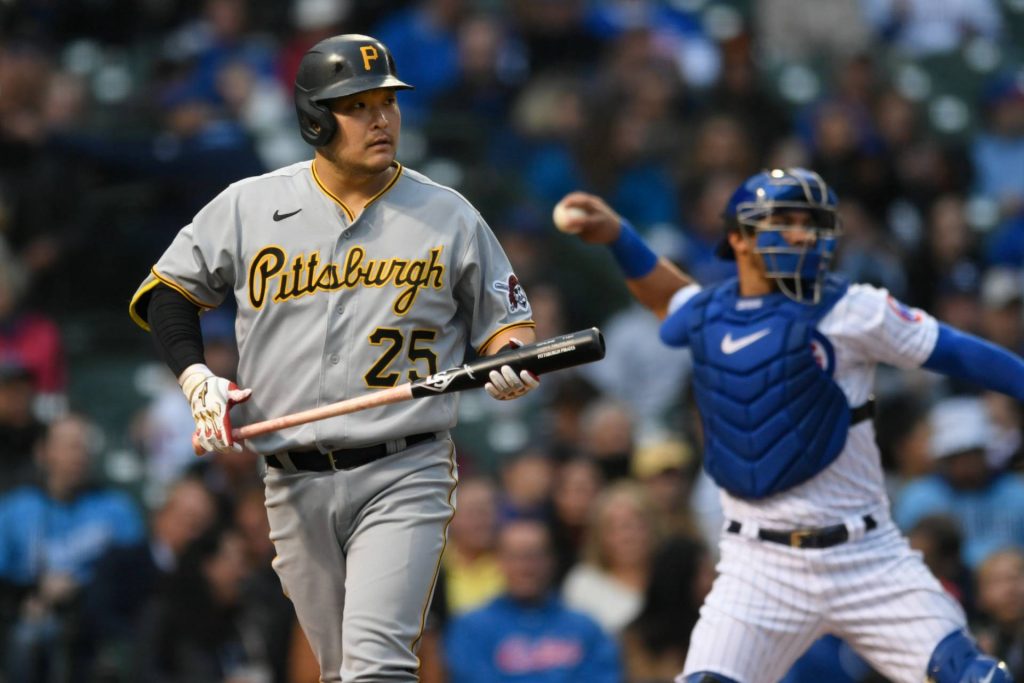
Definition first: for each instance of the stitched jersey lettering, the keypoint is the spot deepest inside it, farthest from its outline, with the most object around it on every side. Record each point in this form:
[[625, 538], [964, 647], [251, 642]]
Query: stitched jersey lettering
[[307, 275]]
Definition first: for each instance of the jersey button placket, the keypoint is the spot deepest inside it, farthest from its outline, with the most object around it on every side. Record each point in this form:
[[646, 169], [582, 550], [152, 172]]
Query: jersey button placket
[[339, 308]]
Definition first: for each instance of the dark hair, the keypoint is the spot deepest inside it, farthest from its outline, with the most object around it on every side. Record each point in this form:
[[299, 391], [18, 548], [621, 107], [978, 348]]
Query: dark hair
[[670, 607], [895, 419], [191, 603], [945, 533]]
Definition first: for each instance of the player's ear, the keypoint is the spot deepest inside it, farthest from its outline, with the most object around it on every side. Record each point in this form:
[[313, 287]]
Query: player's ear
[[738, 241]]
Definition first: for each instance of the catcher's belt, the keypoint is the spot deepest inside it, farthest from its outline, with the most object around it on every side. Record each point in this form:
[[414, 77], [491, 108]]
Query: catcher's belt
[[822, 537]]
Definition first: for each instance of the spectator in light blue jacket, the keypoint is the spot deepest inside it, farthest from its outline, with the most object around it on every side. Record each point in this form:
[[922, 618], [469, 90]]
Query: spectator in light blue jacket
[[987, 504], [527, 635], [51, 537]]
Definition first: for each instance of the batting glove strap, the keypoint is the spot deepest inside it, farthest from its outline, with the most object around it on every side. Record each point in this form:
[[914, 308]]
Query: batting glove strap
[[192, 377]]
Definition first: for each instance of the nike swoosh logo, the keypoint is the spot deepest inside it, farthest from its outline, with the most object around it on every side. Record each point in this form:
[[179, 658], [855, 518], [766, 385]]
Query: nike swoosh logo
[[278, 216], [730, 345]]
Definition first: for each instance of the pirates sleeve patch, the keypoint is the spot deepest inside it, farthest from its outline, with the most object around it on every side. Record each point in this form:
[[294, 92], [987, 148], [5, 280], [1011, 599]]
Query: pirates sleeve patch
[[515, 297]]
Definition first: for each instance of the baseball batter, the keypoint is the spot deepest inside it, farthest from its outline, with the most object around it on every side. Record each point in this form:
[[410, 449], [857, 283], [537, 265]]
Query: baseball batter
[[351, 273], [784, 359]]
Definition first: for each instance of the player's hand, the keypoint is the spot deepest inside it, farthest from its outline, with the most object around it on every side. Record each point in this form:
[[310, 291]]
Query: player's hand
[[593, 220], [211, 397], [57, 588], [505, 384]]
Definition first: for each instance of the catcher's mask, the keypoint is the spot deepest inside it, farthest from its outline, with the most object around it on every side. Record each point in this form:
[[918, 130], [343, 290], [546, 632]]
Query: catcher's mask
[[336, 67], [765, 207]]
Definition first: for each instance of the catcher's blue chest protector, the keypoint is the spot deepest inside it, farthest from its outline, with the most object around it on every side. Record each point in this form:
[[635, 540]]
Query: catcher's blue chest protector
[[772, 417]]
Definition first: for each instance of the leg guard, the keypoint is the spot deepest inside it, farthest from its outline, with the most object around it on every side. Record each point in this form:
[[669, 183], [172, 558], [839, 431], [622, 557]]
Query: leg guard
[[707, 677], [957, 660]]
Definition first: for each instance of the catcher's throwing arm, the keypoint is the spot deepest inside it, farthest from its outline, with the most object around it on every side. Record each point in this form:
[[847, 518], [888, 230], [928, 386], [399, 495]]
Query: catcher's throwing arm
[[557, 353]]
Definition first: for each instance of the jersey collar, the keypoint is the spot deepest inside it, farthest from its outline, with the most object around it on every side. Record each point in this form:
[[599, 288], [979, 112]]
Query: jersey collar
[[348, 212]]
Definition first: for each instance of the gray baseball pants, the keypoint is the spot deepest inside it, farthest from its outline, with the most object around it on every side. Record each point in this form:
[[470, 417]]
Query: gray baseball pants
[[358, 553]]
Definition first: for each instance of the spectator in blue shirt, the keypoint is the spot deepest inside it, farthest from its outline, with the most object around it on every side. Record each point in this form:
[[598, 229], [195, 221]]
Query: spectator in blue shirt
[[988, 505], [526, 635], [997, 151], [424, 40], [50, 539], [128, 578]]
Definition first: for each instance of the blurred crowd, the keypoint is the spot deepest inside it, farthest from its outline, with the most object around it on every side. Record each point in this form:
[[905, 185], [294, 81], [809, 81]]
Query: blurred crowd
[[586, 534]]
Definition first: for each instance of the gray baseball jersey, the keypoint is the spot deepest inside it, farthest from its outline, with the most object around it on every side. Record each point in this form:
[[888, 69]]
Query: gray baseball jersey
[[330, 308]]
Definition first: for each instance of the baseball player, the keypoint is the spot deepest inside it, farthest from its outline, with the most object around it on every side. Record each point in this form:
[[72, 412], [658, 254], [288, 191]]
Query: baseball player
[[350, 273], [784, 357]]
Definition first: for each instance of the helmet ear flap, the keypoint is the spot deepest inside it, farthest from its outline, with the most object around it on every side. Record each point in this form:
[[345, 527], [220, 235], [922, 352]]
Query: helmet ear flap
[[316, 121]]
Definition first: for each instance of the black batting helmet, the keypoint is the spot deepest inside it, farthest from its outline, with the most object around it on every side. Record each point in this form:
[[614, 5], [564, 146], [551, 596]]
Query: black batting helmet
[[336, 67]]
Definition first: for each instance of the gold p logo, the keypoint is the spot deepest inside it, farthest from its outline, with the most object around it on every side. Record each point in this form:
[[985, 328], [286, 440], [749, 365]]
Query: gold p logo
[[369, 53]]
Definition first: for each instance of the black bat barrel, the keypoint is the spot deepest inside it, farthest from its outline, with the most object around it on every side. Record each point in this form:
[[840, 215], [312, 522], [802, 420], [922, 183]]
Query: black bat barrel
[[557, 353]]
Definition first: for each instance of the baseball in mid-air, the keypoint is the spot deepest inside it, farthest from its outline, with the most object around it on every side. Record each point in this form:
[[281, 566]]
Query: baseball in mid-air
[[562, 215]]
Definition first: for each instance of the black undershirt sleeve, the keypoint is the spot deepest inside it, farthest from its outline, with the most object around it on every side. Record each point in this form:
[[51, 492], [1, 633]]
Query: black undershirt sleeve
[[174, 322]]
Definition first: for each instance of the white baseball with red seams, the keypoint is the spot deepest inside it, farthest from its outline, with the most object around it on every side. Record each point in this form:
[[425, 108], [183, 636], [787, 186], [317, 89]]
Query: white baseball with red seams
[[564, 217]]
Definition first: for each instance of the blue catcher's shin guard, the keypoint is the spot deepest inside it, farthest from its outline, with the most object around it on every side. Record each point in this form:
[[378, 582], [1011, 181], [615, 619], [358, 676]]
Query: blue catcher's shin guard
[[957, 660]]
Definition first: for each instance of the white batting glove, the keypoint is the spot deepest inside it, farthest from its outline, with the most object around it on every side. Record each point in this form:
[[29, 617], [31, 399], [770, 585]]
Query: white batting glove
[[505, 384], [211, 398]]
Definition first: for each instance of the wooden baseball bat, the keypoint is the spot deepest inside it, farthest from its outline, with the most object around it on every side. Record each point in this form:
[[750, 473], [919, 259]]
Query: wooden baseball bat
[[557, 353]]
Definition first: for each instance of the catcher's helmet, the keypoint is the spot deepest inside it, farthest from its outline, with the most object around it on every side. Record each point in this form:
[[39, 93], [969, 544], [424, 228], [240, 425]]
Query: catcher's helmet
[[335, 67], [799, 268]]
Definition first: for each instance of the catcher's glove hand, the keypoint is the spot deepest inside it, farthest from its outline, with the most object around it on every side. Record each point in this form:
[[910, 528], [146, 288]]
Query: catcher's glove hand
[[210, 397]]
